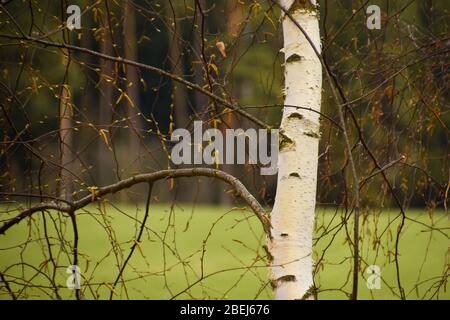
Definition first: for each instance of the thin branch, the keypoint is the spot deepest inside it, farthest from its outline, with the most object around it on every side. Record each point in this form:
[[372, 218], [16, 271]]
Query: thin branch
[[136, 242], [387, 166], [144, 67], [2, 277]]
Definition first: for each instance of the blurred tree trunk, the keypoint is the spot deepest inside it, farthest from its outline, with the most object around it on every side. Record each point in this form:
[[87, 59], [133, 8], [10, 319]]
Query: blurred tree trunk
[[65, 142], [175, 55], [209, 192], [294, 208], [132, 87], [179, 95], [107, 80], [428, 15], [233, 26], [201, 101], [235, 16], [65, 116], [89, 104]]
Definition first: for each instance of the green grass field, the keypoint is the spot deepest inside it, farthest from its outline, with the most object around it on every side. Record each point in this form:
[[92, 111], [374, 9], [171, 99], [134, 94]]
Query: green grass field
[[225, 246]]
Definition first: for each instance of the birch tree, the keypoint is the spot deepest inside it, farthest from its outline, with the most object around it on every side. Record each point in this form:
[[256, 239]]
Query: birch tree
[[384, 149], [293, 212]]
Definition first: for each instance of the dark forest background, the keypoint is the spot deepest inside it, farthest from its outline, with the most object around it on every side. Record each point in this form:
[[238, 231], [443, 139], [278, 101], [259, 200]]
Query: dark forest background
[[122, 117]]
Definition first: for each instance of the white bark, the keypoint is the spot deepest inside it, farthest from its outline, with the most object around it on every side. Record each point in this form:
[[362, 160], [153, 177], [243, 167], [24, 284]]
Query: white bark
[[293, 212]]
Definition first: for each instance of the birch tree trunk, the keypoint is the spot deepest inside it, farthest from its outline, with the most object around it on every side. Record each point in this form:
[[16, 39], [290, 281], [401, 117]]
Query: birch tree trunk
[[293, 212]]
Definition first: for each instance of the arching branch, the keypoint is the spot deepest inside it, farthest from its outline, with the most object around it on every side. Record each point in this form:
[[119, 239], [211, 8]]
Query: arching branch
[[69, 207]]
